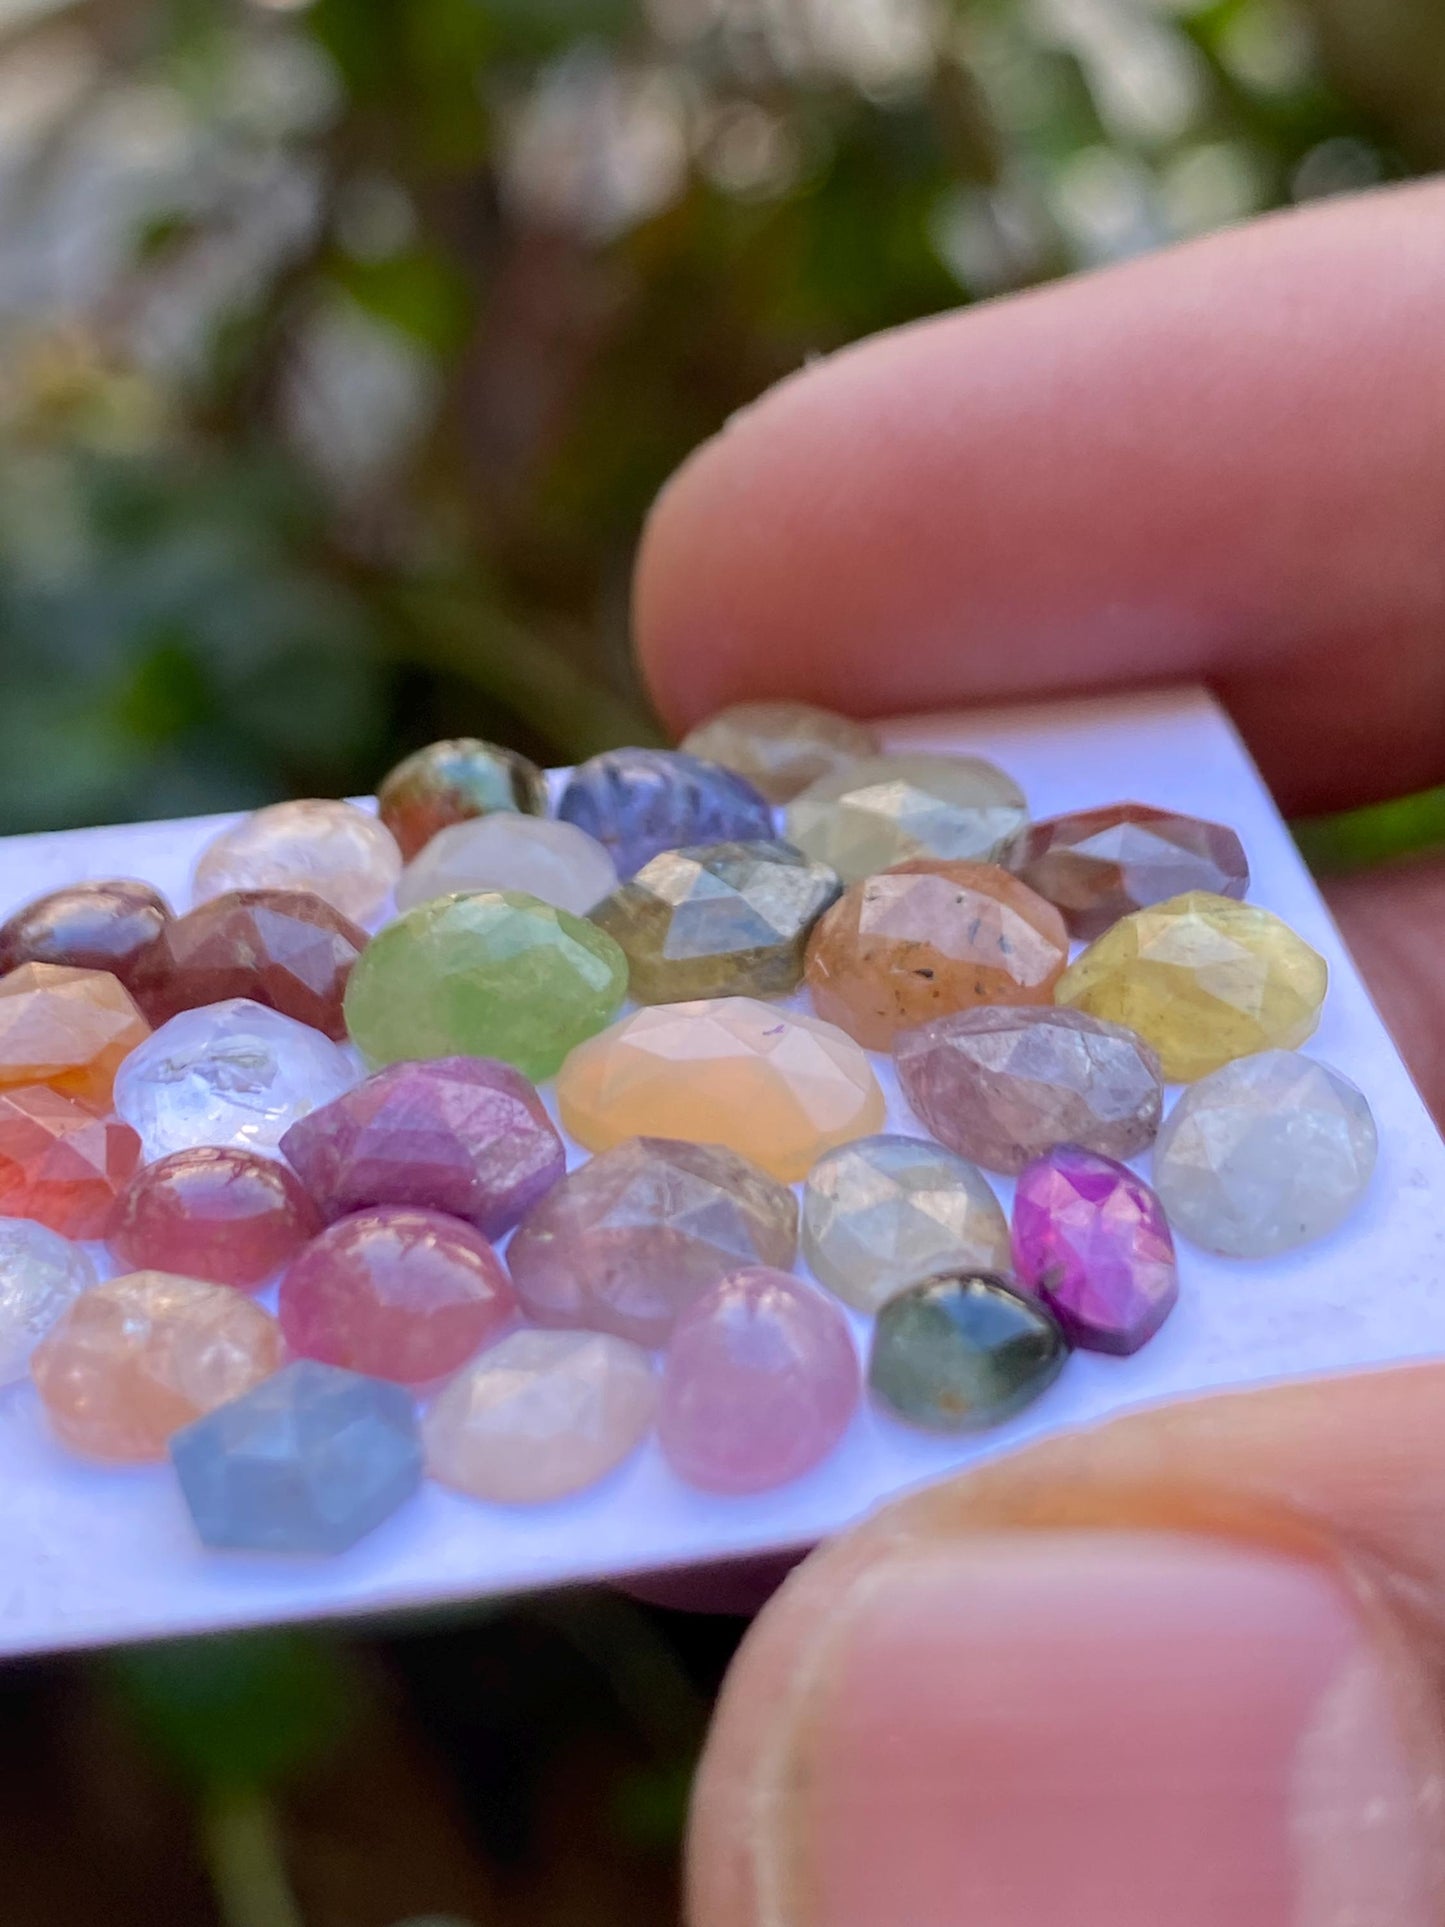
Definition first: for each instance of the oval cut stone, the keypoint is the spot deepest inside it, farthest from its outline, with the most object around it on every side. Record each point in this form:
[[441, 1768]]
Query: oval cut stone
[[963, 1351], [885, 810], [71, 1029], [109, 925], [555, 862], [213, 1212], [452, 782], [331, 849], [1099, 865], [639, 802], [781, 747], [61, 1164], [41, 1274]]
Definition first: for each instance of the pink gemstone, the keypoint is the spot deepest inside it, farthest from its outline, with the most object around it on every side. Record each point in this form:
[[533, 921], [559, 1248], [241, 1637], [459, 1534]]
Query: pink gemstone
[[759, 1383], [1091, 1239], [397, 1293], [213, 1212]]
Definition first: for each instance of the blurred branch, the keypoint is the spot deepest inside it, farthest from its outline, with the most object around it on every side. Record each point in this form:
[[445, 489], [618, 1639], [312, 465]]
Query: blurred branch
[[242, 1847]]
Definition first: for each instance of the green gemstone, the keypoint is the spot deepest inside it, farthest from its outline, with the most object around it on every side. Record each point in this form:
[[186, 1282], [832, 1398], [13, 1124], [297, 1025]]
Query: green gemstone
[[495, 974], [963, 1351]]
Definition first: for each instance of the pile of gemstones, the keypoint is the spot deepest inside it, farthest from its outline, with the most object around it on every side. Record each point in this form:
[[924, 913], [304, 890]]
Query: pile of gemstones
[[347, 1249]]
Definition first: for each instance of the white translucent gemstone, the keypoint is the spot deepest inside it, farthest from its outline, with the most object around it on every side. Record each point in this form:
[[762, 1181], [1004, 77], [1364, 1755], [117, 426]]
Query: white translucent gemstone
[[1267, 1153], [229, 1073], [884, 810], [334, 849], [40, 1274], [557, 862]]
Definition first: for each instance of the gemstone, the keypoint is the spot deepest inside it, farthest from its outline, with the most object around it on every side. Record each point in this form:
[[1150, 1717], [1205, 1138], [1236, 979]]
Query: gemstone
[[310, 1460], [779, 1087], [963, 1351], [555, 862], [883, 1212], [135, 1359], [396, 1292], [498, 974], [540, 1415], [930, 938], [889, 809], [1003, 1086], [332, 850], [41, 1274], [109, 925], [722, 918], [759, 1383], [61, 1164], [212, 1211], [640, 802], [1099, 865], [1092, 1240], [286, 949], [232, 1073], [1202, 979], [464, 1135], [781, 747], [1265, 1154], [452, 782], [67, 1028], [629, 1239]]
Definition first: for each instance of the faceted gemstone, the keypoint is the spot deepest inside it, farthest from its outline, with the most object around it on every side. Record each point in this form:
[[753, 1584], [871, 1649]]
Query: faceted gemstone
[[1202, 979], [1098, 865], [930, 938], [1092, 1240], [67, 1028], [1003, 1086], [758, 1385], [41, 1274], [309, 1461], [889, 809], [640, 802], [215, 1212], [779, 1087], [135, 1359], [332, 850], [286, 949], [628, 1240], [963, 1351], [498, 974], [781, 747], [553, 861], [396, 1292], [233, 1073], [61, 1164], [109, 925], [723, 918], [465, 1135], [886, 1211], [541, 1415], [452, 782], [1266, 1154]]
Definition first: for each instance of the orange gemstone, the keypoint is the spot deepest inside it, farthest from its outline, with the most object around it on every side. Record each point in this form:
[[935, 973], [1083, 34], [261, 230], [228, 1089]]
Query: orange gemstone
[[66, 1028], [61, 1164]]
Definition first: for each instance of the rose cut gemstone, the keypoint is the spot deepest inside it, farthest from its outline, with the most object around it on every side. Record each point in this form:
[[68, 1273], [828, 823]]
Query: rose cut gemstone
[[454, 782], [553, 861], [1099, 865], [963, 1351], [70, 1029], [41, 1275], [61, 1164], [873, 814], [781, 747], [109, 925], [333, 850], [639, 802], [215, 1212]]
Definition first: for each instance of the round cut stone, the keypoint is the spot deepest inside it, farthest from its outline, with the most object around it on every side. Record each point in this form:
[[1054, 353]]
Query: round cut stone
[[67, 1028], [640, 802], [779, 1087], [555, 862], [61, 1164], [135, 1359], [214, 1212], [333, 850], [41, 1274], [1202, 979], [464, 1135], [233, 1073], [629, 1239], [1092, 1240], [109, 925], [758, 1385], [885, 1211], [726, 918], [871, 815], [541, 1415], [1268, 1153], [963, 1351], [452, 782], [1099, 865], [498, 974], [781, 747]]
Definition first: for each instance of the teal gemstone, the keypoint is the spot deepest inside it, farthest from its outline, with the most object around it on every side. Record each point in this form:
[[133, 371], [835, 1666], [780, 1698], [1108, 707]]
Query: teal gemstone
[[963, 1351]]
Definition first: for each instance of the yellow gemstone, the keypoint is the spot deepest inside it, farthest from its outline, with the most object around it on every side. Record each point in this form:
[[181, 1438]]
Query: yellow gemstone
[[777, 1086], [1203, 979]]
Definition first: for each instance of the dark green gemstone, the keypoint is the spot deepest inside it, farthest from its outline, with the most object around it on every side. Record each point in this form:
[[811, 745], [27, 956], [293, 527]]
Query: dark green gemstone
[[962, 1351]]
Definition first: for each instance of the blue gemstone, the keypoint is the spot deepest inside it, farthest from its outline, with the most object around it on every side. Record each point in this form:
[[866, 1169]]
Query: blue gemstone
[[640, 802], [309, 1461]]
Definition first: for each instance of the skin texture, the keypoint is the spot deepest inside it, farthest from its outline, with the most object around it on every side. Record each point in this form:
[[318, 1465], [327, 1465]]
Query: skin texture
[[1186, 1666]]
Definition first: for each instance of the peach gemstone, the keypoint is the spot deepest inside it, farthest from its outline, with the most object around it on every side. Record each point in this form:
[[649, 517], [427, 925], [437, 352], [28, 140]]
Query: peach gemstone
[[61, 1164], [134, 1360], [777, 1086], [66, 1028]]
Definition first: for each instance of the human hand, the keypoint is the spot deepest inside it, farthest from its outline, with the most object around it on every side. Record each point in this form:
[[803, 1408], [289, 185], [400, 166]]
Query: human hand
[[1183, 1670]]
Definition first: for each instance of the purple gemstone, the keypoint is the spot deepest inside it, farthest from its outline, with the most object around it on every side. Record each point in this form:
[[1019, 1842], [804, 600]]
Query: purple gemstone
[[1091, 1239], [464, 1135], [640, 802]]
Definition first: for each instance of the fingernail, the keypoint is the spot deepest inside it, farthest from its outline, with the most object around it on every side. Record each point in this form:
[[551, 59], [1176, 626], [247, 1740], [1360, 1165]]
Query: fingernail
[[1098, 1730]]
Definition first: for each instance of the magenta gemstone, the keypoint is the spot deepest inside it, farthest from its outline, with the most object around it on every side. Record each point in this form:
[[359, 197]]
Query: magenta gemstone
[[465, 1135], [1091, 1239], [759, 1383], [216, 1212], [396, 1293]]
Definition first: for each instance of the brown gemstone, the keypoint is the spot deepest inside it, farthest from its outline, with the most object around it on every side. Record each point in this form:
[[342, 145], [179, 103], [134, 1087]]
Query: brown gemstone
[[1098, 865], [452, 782], [110, 925]]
